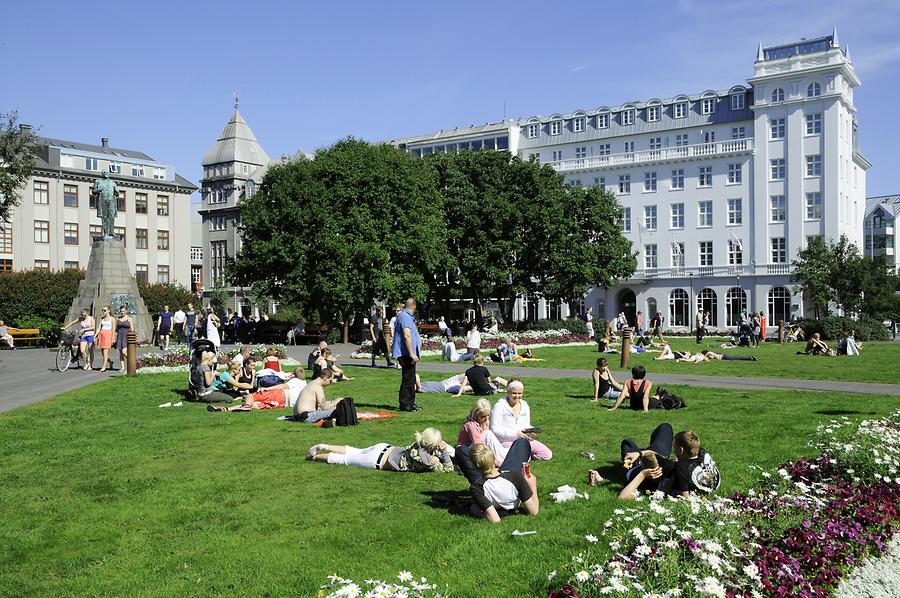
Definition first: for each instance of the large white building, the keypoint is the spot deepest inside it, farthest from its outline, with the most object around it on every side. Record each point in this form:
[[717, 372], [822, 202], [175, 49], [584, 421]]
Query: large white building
[[881, 218], [720, 189], [56, 220]]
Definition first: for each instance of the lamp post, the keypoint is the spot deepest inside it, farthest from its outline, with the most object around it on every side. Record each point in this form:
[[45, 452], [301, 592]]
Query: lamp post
[[691, 299], [740, 300]]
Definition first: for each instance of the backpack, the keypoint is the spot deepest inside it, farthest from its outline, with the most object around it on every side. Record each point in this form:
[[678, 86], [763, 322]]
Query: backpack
[[345, 413], [705, 474], [670, 401], [268, 380]]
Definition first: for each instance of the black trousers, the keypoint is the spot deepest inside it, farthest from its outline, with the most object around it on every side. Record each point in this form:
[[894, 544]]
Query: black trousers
[[380, 347], [519, 453], [661, 441], [407, 383]]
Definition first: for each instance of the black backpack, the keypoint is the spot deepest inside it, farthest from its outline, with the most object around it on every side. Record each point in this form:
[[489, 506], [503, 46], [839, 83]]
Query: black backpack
[[345, 413], [670, 401]]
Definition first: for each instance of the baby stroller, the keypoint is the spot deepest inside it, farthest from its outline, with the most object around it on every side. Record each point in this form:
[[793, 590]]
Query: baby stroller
[[744, 335], [195, 381]]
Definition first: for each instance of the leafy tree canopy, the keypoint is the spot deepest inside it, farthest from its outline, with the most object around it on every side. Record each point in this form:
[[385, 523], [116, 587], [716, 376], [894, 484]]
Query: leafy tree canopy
[[16, 162]]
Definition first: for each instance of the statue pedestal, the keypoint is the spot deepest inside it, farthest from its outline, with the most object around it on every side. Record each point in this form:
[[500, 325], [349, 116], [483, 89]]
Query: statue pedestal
[[108, 281]]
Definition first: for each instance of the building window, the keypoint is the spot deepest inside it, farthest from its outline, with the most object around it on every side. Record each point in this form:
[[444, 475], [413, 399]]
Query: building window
[[629, 147], [738, 132], [776, 128], [196, 275], [581, 152], [66, 161], [219, 257], [603, 149], [96, 232], [6, 238], [704, 178], [140, 238], [814, 206], [677, 213], [655, 143], [650, 258], [533, 130], [649, 181], [778, 95], [628, 116], [578, 124], [120, 202], [681, 140], [196, 254], [557, 155], [119, 231], [140, 203], [706, 253], [704, 214], [162, 239], [162, 274], [600, 181], [91, 164], [814, 165], [555, 127], [624, 183], [626, 220], [137, 170], [708, 301], [776, 170], [678, 179], [709, 137], [41, 231], [140, 273], [41, 264], [536, 156], [653, 114], [115, 167], [779, 250], [603, 121], [813, 124], [159, 174], [779, 305], [735, 253], [735, 306], [70, 196], [680, 109], [41, 192], [162, 205], [735, 211], [708, 105], [777, 208], [576, 183], [677, 255], [70, 233], [679, 307], [737, 101], [217, 223], [71, 265], [814, 90], [650, 217]]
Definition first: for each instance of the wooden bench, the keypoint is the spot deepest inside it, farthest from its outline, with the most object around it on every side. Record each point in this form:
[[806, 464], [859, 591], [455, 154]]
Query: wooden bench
[[507, 327], [26, 335], [312, 335], [428, 329]]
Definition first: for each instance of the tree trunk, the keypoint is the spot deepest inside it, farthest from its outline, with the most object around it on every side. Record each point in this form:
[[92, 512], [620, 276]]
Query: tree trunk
[[346, 335]]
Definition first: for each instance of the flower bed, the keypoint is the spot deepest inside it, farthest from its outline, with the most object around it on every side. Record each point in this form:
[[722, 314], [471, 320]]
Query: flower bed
[[408, 587], [797, 534], [179, 357], [530, 338]]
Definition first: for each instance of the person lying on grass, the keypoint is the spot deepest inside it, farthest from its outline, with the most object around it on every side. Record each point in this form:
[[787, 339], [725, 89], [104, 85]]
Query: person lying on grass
[[669, 355], [477, 430], [506, 489], [707, 355], [279, 396], [477, 380], [428, 453], [511, 421], [450, 385], [637, 390], [605, 384]]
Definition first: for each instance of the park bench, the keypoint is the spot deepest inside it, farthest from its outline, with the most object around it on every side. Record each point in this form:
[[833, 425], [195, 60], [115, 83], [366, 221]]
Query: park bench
[[312, 335], [507, 327], [428, 329], [26, 335]]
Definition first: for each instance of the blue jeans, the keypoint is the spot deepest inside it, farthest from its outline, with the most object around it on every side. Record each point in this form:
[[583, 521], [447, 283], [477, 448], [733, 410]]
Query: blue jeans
[[319, 414], [189, 335]]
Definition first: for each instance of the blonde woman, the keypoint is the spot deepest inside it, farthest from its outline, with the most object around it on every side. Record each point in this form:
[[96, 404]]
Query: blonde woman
[[503, 490], [86, 337], [428, 453], [104, 335], [210, 389], [477, 430]]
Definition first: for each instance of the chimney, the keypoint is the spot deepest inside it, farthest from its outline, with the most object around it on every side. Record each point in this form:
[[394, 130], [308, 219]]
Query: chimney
[[105, 142], [25, 129]]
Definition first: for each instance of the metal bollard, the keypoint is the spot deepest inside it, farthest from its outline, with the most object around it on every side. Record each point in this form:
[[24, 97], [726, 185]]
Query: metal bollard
[[626, 347], [781, 331], [132, 353]]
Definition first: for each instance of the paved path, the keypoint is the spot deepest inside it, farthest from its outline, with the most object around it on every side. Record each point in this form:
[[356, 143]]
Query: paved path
[[29, 376]]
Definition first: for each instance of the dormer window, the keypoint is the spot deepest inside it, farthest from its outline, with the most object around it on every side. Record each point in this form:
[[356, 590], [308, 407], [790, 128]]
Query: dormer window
[[737, 101], [603, 121], [680, 109], [555, 127], [778, 95], [115, 167], [708, 105], [578, 124], [814, 90], [628, 116], [533, 130], [653, 113]]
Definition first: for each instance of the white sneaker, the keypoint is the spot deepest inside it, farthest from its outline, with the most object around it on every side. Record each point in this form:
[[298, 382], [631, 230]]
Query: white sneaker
[[178, 404], [169, 404]]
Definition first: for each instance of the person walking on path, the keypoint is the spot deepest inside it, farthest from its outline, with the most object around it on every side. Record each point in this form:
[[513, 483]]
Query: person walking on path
[[379, 342], [104, 335], [190, 325], [589, 321], [406, 352], [164, 327], [212, 328], [124, 323], [473, 340], [178, 321], [656, 327]]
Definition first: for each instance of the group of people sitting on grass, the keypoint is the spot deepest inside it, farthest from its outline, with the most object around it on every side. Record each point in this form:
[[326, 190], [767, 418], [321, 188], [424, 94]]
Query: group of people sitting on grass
[[847, 345]]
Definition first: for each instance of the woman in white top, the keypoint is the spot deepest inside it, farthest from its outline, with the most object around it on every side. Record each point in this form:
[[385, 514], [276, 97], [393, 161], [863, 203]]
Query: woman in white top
[[473, 340], [86, 337], [104, 335], [511, 417], [212, 327]]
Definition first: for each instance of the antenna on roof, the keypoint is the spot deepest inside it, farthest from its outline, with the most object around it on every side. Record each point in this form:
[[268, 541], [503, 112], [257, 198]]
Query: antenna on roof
[[237, 100]]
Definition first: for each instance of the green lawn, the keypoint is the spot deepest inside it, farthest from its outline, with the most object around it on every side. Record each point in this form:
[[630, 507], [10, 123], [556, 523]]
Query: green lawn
[[877, 362], [106, 494]]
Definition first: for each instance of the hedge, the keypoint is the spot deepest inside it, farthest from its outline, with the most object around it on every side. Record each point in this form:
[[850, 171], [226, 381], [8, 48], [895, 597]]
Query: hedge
[[831, 328], [573, 325]]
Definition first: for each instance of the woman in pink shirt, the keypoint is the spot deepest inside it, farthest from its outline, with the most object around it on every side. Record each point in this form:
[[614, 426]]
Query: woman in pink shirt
[[477, 430]]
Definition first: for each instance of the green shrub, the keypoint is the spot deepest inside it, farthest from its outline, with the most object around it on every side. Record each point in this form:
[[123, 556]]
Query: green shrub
[[48, 326], [287, 315], [40, 293], [573, 325], [831, 328], [157, 295]]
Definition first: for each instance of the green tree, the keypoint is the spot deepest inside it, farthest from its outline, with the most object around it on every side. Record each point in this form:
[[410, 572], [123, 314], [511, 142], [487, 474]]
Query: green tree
[[358, 222], [813, 270], [880, 299], [16, 162], [848, 275], [158, 295]]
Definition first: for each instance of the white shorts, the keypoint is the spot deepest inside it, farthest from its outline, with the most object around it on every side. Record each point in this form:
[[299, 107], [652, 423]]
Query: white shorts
[[366, 457]]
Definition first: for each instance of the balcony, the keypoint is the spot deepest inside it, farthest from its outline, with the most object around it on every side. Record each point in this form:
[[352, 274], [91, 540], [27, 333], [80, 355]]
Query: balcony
[[700, 151], [701, 272]]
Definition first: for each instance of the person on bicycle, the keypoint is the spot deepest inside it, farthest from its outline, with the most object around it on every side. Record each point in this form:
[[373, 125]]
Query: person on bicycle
[[86, 337]]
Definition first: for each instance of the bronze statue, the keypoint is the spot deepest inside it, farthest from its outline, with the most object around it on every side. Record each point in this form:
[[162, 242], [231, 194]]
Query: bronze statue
[[107, 195]]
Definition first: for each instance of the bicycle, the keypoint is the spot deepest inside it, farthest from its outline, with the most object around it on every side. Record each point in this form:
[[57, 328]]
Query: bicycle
[[69, 351]]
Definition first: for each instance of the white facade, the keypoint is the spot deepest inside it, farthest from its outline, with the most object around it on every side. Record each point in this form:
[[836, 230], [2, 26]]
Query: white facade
[[55, 222], [720, 189], [880, 224]]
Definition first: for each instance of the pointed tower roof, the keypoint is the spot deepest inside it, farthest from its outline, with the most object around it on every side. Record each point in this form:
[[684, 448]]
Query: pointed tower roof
[[236, 143], [835, 42], [759, 52]]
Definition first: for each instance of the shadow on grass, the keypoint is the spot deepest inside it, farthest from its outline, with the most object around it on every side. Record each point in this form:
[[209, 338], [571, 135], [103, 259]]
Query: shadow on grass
[[455, 502], [843, 412], [580, 396], [612, 471], [376, 406]]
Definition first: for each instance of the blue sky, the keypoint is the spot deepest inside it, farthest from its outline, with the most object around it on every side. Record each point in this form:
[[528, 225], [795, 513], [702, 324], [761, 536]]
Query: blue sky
[[160, 79]]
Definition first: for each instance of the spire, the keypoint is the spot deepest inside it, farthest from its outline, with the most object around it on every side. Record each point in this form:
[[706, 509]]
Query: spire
[[237, 100], [759, 52], [847, 52], [835, 42], [236, 143]]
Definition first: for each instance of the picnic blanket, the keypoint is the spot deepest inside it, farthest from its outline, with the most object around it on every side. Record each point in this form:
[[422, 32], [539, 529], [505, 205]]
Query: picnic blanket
[[365, 415]]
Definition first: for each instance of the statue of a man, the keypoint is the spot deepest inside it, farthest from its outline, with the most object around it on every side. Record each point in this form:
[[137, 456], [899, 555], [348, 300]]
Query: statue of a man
[[107, 210]]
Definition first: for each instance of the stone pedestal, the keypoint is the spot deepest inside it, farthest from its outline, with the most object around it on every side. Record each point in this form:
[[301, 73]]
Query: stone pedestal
[[108, 281]]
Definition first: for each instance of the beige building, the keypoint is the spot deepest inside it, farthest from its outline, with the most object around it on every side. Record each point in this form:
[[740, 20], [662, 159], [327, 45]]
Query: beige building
[[56, 219]]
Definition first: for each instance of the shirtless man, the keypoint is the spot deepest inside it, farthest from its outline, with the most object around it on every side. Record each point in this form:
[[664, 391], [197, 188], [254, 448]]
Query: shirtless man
[[312, 400]]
